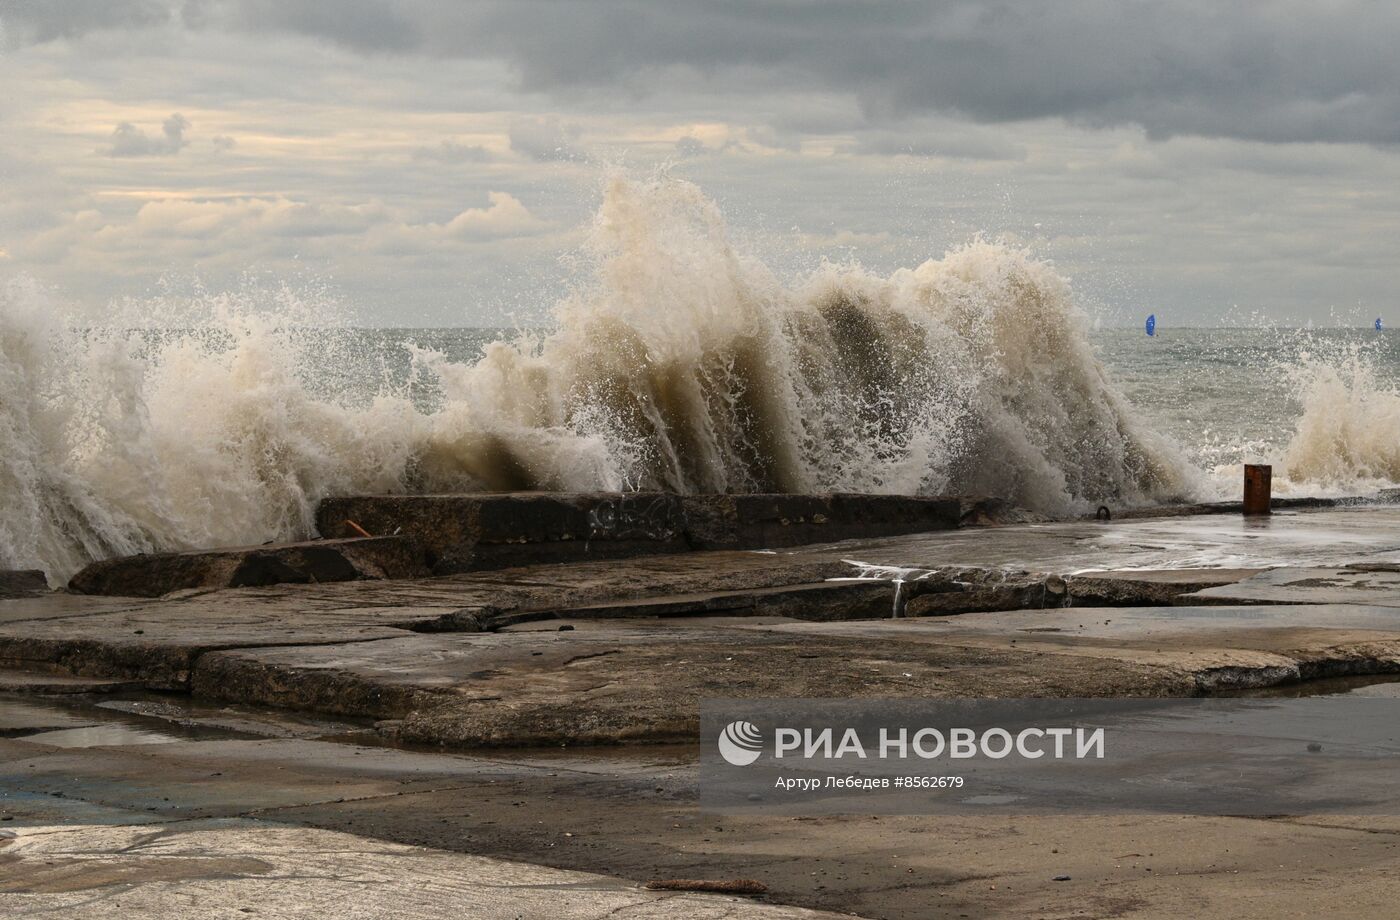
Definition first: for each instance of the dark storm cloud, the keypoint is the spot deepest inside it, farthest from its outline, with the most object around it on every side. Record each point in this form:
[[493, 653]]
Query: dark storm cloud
[[1282, 70], [362, 24], [369, 25], [26, 21], [1277, 70]]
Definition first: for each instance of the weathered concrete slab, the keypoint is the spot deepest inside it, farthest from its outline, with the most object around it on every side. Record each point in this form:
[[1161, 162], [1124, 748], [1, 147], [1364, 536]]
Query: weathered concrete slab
[[945, 592], [1135, 588], [202, 870], [156, 643], [958, 590], [1367, 585], [60, 606], [155, 574], [827, 600], [1217, 648], [605, 682]]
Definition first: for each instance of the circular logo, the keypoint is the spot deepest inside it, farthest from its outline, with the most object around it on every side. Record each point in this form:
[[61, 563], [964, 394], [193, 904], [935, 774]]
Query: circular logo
[[740, 743]]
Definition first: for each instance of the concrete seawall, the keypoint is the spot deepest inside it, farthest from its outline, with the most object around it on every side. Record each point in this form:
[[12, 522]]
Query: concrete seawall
[[407, 536], [482, 531]]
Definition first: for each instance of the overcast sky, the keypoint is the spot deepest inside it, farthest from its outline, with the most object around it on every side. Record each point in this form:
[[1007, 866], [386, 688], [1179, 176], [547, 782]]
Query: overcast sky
[[430, 161]]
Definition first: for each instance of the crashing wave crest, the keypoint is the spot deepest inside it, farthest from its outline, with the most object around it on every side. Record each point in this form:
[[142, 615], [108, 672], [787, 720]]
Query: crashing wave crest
[[679, 365]]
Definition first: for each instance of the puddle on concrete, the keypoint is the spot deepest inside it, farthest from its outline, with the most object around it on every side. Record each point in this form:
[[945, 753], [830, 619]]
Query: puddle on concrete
[[78, 725], [244, 720], [150, 718], [26, 717], [107, 735], [1384, 686]]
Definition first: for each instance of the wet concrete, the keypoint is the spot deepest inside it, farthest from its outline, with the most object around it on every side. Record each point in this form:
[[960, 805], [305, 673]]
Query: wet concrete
[[121, 822], [1137, 587], [1326, 537], [1302, 585], [650, 637], [19, 717], [620, 650]]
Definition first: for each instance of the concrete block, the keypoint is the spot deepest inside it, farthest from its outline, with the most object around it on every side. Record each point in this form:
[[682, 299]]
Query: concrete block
[[155, 574], [493, 530]]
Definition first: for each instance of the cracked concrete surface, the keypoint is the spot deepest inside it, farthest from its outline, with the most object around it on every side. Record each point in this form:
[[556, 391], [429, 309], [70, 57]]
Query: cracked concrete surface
[[224, 804]]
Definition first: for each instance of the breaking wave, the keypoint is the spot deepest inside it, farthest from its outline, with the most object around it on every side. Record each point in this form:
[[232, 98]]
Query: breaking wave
[[1348, 435], [678, 364]]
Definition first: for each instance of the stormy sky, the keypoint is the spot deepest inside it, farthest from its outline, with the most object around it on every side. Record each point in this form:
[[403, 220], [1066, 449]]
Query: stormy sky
[[431, 162]]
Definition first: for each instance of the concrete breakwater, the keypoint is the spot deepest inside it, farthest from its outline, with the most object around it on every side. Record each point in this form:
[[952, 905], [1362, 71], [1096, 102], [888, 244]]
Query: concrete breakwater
[[406, 536], [468, 532]]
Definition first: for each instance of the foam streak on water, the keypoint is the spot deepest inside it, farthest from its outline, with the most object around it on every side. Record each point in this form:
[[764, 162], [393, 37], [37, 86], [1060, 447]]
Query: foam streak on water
[[678, 364]]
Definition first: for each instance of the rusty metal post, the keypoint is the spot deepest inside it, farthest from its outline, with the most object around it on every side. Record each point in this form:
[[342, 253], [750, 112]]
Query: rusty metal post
[[1258, 482]]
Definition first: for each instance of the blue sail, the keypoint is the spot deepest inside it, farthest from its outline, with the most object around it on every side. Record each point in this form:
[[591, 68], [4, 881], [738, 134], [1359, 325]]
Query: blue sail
[[1378, 324], [1152, 324]]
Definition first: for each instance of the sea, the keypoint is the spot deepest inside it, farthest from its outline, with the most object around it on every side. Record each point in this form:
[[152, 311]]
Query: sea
[[675, 363]]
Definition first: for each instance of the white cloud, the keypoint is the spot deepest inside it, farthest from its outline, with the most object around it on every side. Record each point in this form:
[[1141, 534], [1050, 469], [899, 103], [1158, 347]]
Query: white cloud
[[185, 219], [506, 217], [248, 227]]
